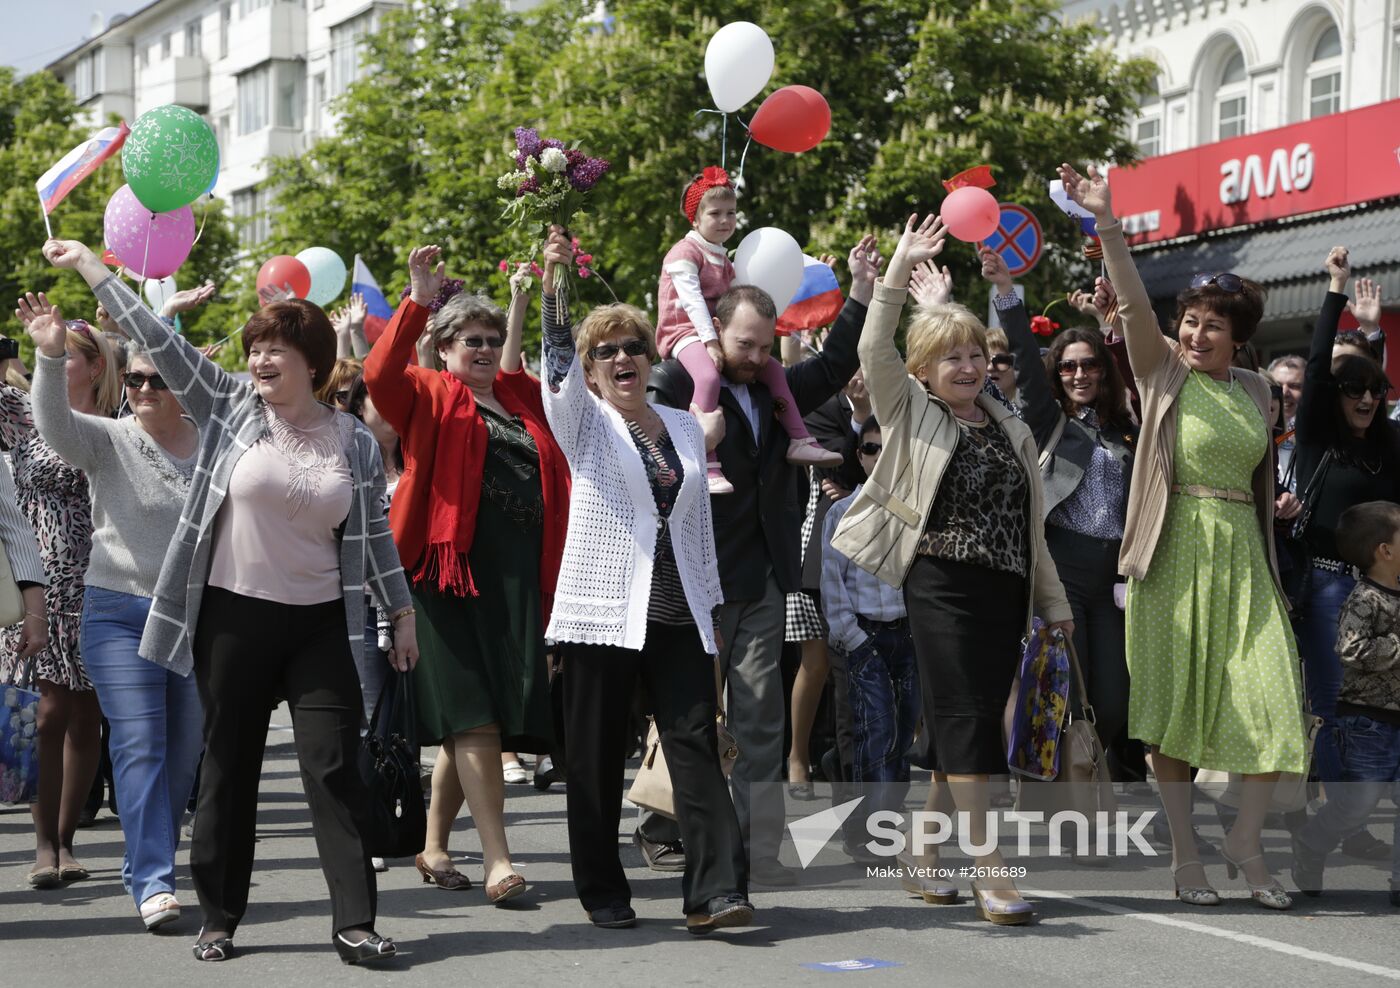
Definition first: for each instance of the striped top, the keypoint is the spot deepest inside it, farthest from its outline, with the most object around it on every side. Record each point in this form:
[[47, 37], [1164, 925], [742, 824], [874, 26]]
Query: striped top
[[17, 535], [230, 419], [665, 473]]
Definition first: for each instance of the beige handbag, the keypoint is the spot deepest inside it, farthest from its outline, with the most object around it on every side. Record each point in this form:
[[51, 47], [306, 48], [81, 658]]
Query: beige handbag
[[1083, 783], [11, 601], [652, 790]]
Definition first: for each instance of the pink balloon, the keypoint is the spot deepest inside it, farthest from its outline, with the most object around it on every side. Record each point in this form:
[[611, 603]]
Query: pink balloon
[[972, 214], [151, 245]]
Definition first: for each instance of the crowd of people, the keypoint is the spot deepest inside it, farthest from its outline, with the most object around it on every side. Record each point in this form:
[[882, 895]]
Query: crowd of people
[[641, 527]]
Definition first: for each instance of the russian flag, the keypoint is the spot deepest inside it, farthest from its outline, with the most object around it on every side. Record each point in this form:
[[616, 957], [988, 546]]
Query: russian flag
[[78, 164], [379, 311], [818, 300]]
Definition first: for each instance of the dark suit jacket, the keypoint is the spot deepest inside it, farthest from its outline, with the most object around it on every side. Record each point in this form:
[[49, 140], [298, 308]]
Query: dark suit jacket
[[759, 525], [830, 426]]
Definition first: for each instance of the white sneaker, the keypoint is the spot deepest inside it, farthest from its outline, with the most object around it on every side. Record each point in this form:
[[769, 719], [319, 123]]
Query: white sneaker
[[160, 909]]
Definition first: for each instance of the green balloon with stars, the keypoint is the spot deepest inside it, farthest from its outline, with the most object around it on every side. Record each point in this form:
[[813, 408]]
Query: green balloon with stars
[[170, 158]]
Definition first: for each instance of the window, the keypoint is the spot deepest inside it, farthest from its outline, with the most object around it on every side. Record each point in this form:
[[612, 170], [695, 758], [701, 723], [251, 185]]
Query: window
[[347, 41], [194, 38], [165, 45], [1147, 132], [254, 90], [318, 97], [289, 95], [221, 134], [1324, 75], [246, 7], [225, 18], [85, 77], [144, 59], [250, 216], [1231, 99]]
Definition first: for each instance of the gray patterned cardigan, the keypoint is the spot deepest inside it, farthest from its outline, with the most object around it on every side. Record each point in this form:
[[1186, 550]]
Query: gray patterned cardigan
[[230, 419]]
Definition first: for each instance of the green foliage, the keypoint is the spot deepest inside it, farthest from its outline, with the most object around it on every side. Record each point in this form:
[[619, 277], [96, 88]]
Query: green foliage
[[37, 127], [917, 93]]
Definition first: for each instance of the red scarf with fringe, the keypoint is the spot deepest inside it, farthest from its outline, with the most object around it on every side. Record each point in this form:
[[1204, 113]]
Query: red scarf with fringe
[[459, 460]]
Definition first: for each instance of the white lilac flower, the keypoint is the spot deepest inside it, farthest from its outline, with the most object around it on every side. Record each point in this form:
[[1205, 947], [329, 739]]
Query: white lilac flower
[[554, 160]]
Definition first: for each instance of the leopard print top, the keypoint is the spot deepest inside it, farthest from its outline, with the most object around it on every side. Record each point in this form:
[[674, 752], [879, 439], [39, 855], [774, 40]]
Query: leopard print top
[[981, 512]]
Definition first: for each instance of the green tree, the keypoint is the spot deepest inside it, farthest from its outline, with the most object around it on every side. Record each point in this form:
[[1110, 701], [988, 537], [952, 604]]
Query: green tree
[[917, 94], [38, 125]]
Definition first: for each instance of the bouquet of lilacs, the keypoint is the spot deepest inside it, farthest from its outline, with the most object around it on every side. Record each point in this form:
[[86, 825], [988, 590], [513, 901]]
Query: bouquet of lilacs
[[549, 185]]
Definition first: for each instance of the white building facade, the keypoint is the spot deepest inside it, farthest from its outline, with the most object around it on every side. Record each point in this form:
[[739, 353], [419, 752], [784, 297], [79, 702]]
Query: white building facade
[[1272, 135], [262, 72]]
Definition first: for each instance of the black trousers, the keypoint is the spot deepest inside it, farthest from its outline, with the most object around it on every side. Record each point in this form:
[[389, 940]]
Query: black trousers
[[247, 653], [679, 680], [1088, 568]]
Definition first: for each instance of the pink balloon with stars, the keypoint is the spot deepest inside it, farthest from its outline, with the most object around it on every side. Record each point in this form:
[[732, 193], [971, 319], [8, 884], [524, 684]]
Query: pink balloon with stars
[[151, 245]]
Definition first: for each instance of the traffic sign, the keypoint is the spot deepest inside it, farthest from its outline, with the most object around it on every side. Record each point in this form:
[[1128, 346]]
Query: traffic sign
[[1018, 239]]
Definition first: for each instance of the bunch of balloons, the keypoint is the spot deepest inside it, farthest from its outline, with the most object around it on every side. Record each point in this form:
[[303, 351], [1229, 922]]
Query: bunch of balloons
[[170, 159], [738, 65], [316, 274]]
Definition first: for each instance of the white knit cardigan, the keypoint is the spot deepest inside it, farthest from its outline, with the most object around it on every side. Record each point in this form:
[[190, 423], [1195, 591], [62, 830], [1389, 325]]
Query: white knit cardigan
[[605, 576]]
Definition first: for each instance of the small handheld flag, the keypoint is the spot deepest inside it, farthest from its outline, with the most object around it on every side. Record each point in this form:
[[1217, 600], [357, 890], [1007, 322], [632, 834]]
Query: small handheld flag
[[818, 300], [55, 184], [378, 311]]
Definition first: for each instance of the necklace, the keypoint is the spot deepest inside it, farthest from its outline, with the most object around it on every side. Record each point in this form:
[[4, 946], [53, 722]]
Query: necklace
[[309, 457]]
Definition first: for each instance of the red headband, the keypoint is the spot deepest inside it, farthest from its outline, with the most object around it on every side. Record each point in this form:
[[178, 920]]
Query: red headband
[[710, 178]]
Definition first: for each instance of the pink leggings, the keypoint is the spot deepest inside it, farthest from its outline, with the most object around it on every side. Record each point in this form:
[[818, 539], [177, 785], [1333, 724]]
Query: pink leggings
[[696, 360]]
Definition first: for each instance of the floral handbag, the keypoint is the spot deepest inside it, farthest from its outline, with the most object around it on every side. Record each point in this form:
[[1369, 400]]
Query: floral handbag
[[1041, 703]]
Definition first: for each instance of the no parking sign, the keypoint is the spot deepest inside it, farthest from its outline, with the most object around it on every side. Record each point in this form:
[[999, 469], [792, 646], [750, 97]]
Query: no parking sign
[[1018, 239]]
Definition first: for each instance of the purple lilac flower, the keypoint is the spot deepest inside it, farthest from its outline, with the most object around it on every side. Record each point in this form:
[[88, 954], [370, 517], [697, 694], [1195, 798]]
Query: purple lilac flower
[[531, 184], [527, 142], [550, 142], [575, 157], [450, 287], [585, 175]]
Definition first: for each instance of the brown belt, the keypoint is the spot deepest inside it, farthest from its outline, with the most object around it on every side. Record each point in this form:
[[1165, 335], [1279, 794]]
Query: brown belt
[[1224, 494]]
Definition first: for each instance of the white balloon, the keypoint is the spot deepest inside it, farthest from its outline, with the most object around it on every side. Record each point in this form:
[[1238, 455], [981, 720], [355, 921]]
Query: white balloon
[[772, 260], [738, 64], [327, 272], [158, 291]]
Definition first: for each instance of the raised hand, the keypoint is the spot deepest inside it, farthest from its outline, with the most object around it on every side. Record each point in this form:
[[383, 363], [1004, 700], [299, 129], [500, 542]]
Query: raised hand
[[558, 255], [1106, 302], [340, 321], [356, 310], [44, 323], [187, 299], [929, 285], [1091, 192], [271, 293], [520, 279], [921, 241], [426, 273], [994, 269], [1338, 267], [67, 254], [1082, 302], [1366, 307], [864, 261]]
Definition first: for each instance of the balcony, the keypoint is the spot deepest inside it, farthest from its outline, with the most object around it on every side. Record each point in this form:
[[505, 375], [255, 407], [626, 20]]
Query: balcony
[[277, 31], [182, 79]]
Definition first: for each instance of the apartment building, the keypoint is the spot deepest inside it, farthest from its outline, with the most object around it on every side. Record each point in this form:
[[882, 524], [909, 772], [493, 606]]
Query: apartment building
[[1272, 134]]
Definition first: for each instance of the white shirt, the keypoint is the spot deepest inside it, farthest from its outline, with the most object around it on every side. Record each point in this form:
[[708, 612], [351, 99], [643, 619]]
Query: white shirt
[[741, 394]]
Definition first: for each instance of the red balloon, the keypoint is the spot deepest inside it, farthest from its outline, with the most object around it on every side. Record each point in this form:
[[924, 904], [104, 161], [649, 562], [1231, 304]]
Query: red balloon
[[793, 119], [972, 214], [284, 272]]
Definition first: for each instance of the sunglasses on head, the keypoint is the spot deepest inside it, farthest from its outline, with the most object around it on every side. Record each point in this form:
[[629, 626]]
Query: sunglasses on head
[[606, 351], [481, 342], [136, 381], [870, 449], [1355, 390], [1069, 368], [1003, 361], [1224, 280]]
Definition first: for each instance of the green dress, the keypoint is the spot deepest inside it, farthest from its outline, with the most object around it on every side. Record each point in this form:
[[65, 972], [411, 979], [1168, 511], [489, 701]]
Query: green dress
[[1215, 676], [481, 659]]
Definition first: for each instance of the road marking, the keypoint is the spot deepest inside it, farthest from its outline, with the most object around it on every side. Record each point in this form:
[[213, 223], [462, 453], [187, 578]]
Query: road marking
[[1247, 938]]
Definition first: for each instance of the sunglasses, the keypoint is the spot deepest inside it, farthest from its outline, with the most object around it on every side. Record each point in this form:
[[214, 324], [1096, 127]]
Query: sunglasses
[[1224, 280], [481, 342], [1003, 361], [342, 397], [870, 449], [606, 351], [1355, 390], [136, 381], [1069, 368]]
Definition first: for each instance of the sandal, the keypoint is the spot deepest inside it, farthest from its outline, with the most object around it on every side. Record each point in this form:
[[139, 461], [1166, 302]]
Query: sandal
[[45, 878], [449, 879], [73, 873], [214, 950], [505, 890]]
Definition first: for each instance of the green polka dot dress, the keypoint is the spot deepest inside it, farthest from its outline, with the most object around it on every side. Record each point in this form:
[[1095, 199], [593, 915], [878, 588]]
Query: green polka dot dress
[[1215, 677]]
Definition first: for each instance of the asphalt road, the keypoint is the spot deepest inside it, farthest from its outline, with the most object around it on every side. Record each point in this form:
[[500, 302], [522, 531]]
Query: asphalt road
[[88, 934]]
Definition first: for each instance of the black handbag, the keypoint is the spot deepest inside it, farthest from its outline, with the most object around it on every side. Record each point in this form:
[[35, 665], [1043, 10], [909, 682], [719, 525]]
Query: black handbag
[[1295, 563], [395, 821]]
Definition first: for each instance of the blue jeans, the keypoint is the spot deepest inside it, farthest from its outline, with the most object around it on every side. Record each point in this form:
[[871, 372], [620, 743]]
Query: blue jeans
[[1370, 755], [1317, 639], [156, 722], [885, 702]]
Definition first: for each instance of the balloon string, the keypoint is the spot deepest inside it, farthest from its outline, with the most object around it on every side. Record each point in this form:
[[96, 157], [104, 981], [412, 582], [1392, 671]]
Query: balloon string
[[742, 158], [204, 217], [723, 134], [146, 258]]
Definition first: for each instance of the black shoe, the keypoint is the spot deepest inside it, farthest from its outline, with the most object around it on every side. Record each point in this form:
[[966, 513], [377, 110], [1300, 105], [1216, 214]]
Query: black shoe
[[1366, 846], [721, 912], [214, 950], [1395, 898], [861, 854], [371, 948], [544, 779], [771, 872], [618, 916], [661, 856]]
